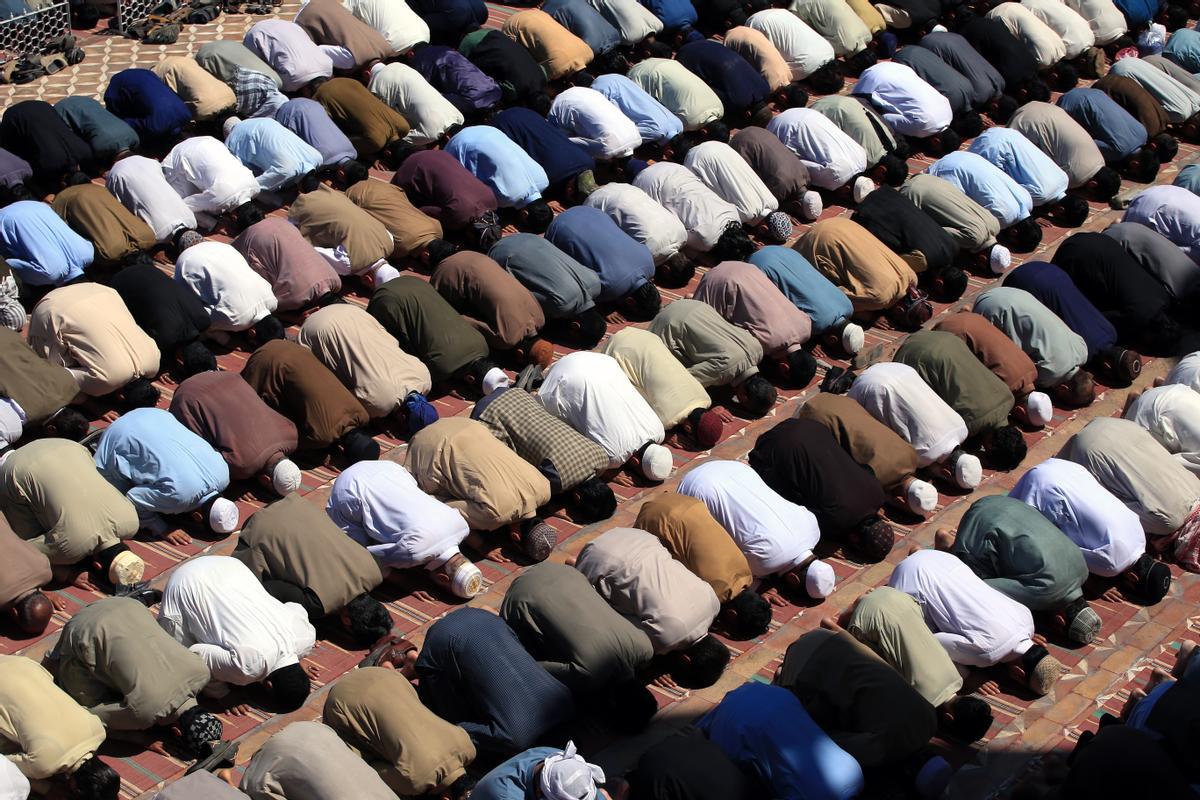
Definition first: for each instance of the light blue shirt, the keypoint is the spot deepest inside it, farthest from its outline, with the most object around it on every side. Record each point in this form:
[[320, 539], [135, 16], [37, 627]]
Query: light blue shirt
[[161, 466], [986, 184], [654, 122], [809, 290], [41, 249], [515, 178], [1024, 162], [513, 779], [275, 154]]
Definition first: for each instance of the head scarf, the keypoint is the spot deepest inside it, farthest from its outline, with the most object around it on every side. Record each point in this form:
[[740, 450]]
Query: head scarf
[[566, 776]]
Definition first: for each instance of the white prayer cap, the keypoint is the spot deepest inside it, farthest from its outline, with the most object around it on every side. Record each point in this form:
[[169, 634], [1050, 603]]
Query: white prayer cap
[[384, 273], [812, 205], [657, 463], [285, 478], [1000, 259], [467, 581], [126, 569], [852, 338], [495, 378], [566, 776], [968, 472], [819, 580], [939, 28], [922, 497], [1041, 411], [229, 125], [12, 315], [375, 68], [223, 516], [863, 186]]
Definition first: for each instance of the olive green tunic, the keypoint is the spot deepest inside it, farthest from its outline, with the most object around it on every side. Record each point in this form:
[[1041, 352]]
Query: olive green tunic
[[946, 363], [427, 326]]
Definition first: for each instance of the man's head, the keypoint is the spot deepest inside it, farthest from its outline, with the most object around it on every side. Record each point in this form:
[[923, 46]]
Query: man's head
[[678, 147], [185, 238], [268, 329], [229, 124], [592, 501], [246, 215], [587, 328], [701, 664], [792, 95], [33, 612], [68, 423], [537, 539], [289, 687], [968, 125], [715, 131], [120, 565], [1148, 579], [95, 780], [949, 284], [1070, 211], [537, 216], [349, 172], [797, 368], [459, 575], [366, 619], [1064, 76], [285, 477], [1077, 391], [1034, 91], [967, 718], [1023, 236], [1165, 146], [1006, 448], [943, 142], [419, 413], [628, 707], [828, 79], [855, 64], [1081, 621], [812, 576], [642, 303], [197, 728], [655, 462], [1105, 184], [139, 393], [359, 446], [1002, 108], [438, 251], [747, 615], [1142, 166], [873, 539], [197, 358], [892, 169], [675, 272], [707, 427], [756, 395]]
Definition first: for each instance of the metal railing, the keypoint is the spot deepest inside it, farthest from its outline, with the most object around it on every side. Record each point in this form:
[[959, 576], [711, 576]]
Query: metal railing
[[31, 32], [131, 12]]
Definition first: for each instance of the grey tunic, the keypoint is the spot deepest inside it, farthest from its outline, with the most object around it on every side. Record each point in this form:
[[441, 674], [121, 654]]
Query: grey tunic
[[224, 56], [715, 352], [1159, 256], [861, 123], [307, 761], [1062, 138], [973, 227], [562, 285], [1056, 349]]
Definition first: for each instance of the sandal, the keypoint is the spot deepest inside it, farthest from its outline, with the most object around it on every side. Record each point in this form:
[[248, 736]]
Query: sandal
[[55, 63], [223, 752]]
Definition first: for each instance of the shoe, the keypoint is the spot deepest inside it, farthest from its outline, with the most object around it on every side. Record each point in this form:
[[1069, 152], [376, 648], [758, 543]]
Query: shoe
[[223, 752]]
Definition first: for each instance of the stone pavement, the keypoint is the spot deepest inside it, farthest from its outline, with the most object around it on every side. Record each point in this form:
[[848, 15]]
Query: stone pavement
[[1133, 640]]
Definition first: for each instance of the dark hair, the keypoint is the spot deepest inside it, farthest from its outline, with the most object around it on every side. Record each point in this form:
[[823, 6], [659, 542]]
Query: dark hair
[[290, 687], [656, 49], [828, 79], [268, 329], [590, 330], [14, 193], [140, 393], [34, 611], [197, 358], [1153, 578], [644, 302], [758, 395], [895, 169], [628, 707], [1143, 165], [1163, 335], [1072, 211], [1065, 76], [953, 284], [1024, 235], [309, 182], [78, 178], [680, 144], [1005, 106], [874, 540], [1007, 449], [354, 171], [734, 244], [945, 141], [438, 251], [794, 95], [968, 125], [972, 718], [760, 116], [359, 446], [801, 368], [95, 780], [753, 615], [715, 131], [398, 153], [1105, 183], [860, 61], [461, 788], [246, 215], [1036, 91], [540, 102], [676, 271], [595, 502], [369, 620], [70, 423], [1176, 16], [1165, 146], [1080, 390], [707, 659], [539, 216], [582, 78], [478, 368]]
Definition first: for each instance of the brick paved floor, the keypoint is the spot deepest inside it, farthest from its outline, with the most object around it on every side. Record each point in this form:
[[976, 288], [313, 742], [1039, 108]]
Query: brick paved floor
[[1133, 641]]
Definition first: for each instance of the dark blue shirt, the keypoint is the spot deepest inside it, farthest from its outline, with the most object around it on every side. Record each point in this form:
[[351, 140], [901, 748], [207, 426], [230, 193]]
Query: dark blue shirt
[[140, 97], [986, 83], [1118, 134], [673, 13], [592, 238], [450, 20], [1055, 289], [545, 143], [1138, 12], [739, 85], [473, 672]]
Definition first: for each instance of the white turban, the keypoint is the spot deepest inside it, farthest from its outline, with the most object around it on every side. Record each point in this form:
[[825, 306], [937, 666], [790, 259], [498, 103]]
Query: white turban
[[566, 776]]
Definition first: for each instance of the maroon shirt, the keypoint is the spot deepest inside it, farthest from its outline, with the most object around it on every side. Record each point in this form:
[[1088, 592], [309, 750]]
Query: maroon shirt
[[443, 188]]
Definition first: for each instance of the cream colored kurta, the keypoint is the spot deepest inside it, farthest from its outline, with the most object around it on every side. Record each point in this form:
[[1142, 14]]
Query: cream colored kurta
[[44, 731], [364, 356], [204, 93], [657, 375]]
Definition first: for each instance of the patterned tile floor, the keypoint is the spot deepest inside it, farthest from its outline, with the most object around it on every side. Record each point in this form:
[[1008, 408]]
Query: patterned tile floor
[[1133, 639]]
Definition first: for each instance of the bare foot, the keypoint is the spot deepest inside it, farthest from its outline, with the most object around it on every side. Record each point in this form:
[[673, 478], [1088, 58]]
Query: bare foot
[[1039, 639], [1187, 651], [228, 776], [1134, 697], [570, 562], [914, 548], [1130, 399], [943, 540], [1156, 678], [830, 623]]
